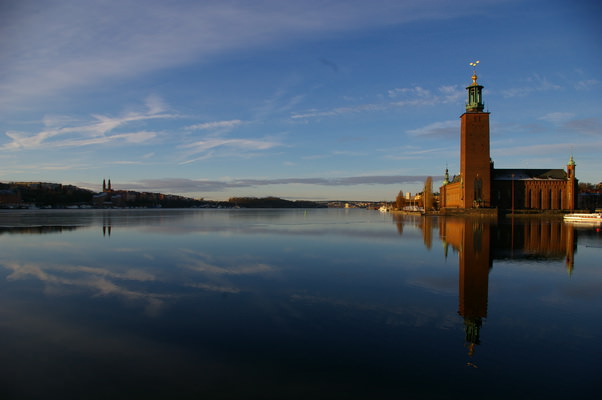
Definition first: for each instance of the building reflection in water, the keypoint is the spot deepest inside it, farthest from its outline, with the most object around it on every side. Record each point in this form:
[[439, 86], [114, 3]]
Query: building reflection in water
[[106, 229], [471, 238], [480, 241], [39, 230]]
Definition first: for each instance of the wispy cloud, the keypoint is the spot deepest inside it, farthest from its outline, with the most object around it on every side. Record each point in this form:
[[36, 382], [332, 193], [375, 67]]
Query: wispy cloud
[[416, 91], [588, 126], [404, 97], [215, 125], [437, 129], [65, 45], [417, 96], [535, 83], [421, 153], [338, 111], [68, 132], [566, 122], [557, 117], [204, 149], [587, 84]]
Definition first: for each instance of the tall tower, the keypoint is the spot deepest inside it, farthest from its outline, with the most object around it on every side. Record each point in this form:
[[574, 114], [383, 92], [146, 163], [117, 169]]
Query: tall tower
[[475, 162], [571, 190]]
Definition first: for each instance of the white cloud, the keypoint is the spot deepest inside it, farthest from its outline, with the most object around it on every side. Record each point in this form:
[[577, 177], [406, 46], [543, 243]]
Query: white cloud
[[420, 96], [338, 111], [535, 83], [416, 91], [589, 126], [215, 125], [439, 129], [247, 144], [68, 132], [206, 147], [557, 117], [587, 84], [451, 93], [405, 97], [155, 105]]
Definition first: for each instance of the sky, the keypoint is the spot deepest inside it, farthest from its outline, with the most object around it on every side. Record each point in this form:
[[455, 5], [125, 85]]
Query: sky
[[308, 100]]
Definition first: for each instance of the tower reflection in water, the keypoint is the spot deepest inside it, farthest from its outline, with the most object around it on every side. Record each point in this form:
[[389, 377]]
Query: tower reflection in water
[[472, 239], [480, 241]]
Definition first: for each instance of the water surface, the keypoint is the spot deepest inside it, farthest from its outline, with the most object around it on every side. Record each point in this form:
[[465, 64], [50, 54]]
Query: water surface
[[296, 304]]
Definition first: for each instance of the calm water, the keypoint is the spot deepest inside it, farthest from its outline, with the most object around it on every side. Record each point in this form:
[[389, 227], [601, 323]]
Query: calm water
[[295, 304]]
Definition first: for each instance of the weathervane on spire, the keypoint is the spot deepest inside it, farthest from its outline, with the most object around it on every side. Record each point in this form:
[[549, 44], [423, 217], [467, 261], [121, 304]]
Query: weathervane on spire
[[474, 66], [474, 71]]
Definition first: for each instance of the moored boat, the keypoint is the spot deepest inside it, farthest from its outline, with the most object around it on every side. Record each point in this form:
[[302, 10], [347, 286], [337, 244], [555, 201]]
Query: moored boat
[[584, 217]]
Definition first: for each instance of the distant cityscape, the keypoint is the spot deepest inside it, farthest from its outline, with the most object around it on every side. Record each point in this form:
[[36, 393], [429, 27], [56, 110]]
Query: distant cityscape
[[23, 195], [27, 195]]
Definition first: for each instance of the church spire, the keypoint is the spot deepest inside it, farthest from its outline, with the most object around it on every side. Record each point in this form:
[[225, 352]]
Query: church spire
[[475, 93]]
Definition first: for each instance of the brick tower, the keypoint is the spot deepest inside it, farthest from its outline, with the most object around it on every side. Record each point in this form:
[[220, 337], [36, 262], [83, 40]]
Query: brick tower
[[475, 162], [572, 188]]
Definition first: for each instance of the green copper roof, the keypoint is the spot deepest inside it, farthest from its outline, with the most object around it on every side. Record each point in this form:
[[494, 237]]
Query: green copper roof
[[571, 161], [475, 96]]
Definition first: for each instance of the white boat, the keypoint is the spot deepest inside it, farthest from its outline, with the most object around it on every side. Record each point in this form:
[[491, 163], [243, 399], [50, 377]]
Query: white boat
[[583, 217], [383, 209]]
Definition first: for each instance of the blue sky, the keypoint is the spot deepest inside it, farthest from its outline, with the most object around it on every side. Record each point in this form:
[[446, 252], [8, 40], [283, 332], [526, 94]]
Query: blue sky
[[298, 99]]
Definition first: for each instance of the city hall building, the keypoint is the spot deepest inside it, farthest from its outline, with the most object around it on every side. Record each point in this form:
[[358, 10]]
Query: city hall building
[[480, 185]]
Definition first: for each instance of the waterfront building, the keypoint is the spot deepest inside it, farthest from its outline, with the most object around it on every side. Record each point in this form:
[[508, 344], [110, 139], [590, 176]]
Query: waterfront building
[[108, 197], [9, 198], [480, 185]]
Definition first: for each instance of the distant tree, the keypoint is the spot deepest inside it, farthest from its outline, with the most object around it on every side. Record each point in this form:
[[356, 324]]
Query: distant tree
[[585, 187], [55, 195], [400, 201], [270, 202], [428, 194]]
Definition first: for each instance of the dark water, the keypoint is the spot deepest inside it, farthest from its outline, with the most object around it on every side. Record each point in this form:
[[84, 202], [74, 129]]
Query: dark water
[[294, 304]]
